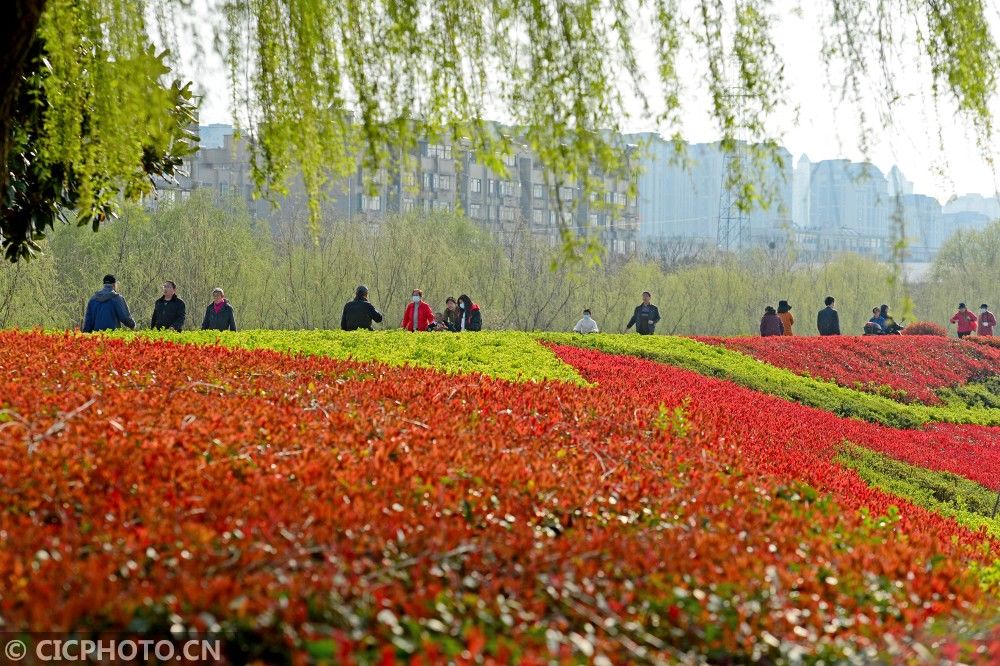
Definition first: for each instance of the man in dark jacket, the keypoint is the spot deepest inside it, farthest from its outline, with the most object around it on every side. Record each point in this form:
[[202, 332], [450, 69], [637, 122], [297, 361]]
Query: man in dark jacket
[[169, 310], [828, 320], [219, 315], [107, 310], [645, 316], [359, 313]]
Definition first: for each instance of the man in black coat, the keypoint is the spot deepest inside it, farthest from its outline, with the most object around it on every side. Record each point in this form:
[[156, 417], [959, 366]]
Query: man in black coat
[[827, 320], [645, 316], [359, 313], [169, 310]]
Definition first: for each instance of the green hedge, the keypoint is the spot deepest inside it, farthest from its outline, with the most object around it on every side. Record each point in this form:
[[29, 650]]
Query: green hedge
[[505, 355], [713, 361]]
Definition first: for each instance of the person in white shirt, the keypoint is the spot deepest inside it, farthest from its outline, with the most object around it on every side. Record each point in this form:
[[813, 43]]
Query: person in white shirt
[[586, 325]]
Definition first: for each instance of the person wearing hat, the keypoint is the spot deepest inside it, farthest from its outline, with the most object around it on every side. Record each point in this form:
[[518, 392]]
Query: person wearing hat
[[359, 313], [965, 321], [785, 315], [770, 324], [986, 321], [219, 315], [107, 309]]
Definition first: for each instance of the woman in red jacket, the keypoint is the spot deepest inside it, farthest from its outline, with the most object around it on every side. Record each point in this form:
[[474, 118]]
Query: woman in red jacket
[[965, 320], [424, 317]]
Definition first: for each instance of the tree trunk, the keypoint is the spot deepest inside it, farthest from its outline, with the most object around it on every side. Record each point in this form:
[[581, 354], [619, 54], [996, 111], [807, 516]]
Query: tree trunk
[[17, 32]]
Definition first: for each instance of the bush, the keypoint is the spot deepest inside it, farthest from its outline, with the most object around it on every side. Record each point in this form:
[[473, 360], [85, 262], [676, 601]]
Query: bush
[[925, 328]]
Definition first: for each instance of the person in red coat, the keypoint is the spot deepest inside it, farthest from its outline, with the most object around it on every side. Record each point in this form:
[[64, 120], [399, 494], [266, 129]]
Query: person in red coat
[[987, 321], [424, 317], [965, 320]]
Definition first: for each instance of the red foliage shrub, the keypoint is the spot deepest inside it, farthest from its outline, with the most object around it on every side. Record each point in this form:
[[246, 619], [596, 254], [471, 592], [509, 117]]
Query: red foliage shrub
[[925, 328], [913, 365], [398, 513]]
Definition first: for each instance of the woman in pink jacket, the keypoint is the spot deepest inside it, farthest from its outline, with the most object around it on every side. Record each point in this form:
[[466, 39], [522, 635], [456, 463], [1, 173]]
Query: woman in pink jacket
[[424, 317], [965, 320], [987, 321]]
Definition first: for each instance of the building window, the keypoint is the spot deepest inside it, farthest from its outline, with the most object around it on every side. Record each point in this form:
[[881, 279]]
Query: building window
[[442, 206], [476, 185], [371, 203], [594, 219], [428, 180], [566, 193], [409, 179], [475, 211], [491, 186], [507, 213], [538, 216], [507, 188], [437, 150], [443, 182], [409, 205], [538, 191], [510, 160]]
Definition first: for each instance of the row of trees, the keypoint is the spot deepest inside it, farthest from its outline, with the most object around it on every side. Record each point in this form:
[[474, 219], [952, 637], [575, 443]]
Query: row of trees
[[284, 278]]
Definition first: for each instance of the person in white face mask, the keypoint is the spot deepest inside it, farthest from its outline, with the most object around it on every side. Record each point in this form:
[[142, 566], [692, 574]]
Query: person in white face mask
[[418, 315], [586, 324], [987, 321]]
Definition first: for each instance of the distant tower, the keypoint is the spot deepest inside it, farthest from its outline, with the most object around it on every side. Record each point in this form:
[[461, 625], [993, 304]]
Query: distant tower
[[734, 221]]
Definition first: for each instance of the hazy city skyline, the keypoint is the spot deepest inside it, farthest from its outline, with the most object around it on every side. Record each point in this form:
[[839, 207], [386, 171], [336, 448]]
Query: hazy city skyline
[[825, 128]]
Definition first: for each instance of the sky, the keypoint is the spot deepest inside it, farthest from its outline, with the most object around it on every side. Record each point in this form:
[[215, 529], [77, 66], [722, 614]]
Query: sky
[[814, 123]]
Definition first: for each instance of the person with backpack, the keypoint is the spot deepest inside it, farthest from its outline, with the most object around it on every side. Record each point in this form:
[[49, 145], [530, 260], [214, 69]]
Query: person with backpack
[[107, 309], [645, 317], [770, 324], [827, 319], [986, 321], [965, 321], [785, 315], [219, 315], [359, 313], [586, 324], [418, 315], [169, 311]]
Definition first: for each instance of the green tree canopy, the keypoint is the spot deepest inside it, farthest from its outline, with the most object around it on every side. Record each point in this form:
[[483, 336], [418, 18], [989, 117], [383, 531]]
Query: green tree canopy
[[317, 83]]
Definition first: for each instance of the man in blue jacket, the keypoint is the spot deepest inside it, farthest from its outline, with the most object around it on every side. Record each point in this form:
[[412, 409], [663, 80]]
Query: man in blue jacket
[[106, 309]]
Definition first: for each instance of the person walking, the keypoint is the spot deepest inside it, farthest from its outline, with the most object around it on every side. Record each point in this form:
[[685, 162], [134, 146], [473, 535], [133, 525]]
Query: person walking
[[107, 309], [470, 318], [645, 317], [451, 315], [987, 321], [424, 316], [827, 319], [785, 315], [359, 313], [169, 311], [965, 321], [219, 315], [586, 324], [770, 323]]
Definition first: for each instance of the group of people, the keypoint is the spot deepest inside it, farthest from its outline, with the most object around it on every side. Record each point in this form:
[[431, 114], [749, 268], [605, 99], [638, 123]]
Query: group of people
[[968, 322], [107, 310], [459, 315], [780, 321]]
